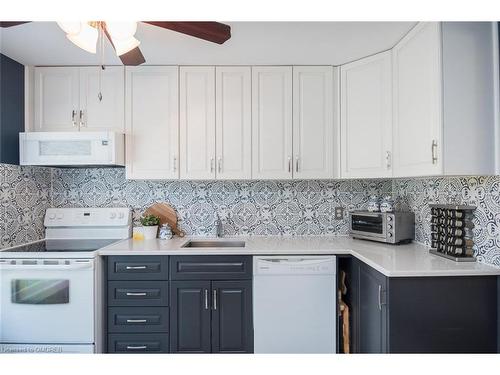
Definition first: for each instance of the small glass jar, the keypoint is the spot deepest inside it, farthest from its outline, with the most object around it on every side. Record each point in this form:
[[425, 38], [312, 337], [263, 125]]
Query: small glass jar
[[387, 204], [373, 204], [165, 232]]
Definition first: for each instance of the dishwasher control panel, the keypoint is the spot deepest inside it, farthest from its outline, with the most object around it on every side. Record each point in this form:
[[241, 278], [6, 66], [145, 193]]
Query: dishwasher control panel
[[295, 265]]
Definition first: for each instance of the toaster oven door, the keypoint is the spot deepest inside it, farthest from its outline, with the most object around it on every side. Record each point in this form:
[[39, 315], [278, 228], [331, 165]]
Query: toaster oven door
[[368, 225]]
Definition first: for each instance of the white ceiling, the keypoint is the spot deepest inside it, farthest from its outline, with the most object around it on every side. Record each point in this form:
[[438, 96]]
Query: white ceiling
[[252, 43]]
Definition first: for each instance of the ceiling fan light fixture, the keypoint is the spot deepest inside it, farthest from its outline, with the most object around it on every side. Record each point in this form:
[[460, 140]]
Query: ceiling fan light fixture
[[123, 46], [121, 30], [86, 39]]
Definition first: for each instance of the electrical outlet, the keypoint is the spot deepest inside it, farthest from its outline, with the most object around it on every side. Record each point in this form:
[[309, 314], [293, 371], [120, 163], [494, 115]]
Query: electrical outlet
[[339, 213]]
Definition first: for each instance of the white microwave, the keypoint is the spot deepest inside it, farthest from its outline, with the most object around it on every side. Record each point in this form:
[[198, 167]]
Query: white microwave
[[72, 148]]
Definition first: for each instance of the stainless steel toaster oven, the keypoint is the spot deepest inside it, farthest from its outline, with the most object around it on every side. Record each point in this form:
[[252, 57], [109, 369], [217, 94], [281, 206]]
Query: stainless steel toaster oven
[[388, 227]]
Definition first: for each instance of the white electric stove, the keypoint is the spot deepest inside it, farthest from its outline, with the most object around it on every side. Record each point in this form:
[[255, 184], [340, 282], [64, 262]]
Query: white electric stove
[[50, 294]]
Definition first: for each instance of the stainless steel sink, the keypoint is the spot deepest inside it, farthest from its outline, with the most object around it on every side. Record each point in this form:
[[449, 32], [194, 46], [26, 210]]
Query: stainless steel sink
[[213, 243]]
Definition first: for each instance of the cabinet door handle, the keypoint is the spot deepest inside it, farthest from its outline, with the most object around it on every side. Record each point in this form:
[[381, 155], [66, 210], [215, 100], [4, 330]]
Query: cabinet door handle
[[174, 164], [136, 347], [135, 267], [219, 165], [297, 164], [136, 320], [434, 151], [137, 294], [206, 299], [289, 165], [82, 124], [215, 299], [388, 159], [211, 165], [73, 118], [380, 303]]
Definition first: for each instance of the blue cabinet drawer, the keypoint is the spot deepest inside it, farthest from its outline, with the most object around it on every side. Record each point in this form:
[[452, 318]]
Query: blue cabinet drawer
[[138, 293], [138, 319], [138, 343], [211, 267], [133, 267]]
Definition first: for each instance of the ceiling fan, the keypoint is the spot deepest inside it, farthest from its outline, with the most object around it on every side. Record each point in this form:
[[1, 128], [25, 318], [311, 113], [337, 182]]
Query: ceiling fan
[[121, 35]]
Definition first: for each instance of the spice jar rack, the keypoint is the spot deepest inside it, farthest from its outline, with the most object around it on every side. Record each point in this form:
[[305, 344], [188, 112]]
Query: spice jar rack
[[451, 232]]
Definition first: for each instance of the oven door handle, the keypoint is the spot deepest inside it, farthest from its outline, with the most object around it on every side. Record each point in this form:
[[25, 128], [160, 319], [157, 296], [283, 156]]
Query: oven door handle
[[38, 267]]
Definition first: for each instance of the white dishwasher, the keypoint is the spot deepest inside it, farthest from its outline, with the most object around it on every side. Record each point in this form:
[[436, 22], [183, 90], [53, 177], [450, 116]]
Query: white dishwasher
[[294, 303]]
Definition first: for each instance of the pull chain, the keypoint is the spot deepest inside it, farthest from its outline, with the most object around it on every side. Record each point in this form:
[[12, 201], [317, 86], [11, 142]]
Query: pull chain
[[101, 51]]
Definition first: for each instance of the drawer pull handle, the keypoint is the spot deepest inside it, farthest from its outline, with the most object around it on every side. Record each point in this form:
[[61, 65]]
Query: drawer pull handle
[[137, 320], [135, 267], [136, 347], [134, 294], [215, 299], [206, 299]]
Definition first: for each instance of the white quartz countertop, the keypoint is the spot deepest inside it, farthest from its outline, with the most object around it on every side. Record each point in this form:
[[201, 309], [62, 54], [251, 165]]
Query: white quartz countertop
[[392, 260]]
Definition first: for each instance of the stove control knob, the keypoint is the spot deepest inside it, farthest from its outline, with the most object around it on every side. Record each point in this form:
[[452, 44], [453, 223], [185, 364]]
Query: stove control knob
[[390, 234], [121, 215], [389, 226], [389, 218], [112, 215], [52, 216]]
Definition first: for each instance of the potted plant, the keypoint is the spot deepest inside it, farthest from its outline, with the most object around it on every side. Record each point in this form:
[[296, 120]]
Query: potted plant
[[150, 226]]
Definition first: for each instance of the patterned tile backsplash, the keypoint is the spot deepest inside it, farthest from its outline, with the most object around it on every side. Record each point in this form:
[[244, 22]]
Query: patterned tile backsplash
[[245, 207]]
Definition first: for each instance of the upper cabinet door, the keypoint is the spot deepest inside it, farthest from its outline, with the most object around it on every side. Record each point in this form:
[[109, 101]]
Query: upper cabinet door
[[366, 117], [197, 122], [233, 122], [56, 99], [272, 122], [417, 102], [152, 122], [107, 113], [313, 126]]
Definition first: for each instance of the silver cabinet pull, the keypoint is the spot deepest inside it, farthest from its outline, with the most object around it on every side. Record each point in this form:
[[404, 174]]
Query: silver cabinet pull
[[137, 320], [136, 294], [73, 118], [211, 165], [219, 165], [135, 267], [174, 164], [434, 151], [206, 299], [289, 165], [297, 164], [82, 124], [388, 159], [136, 347], [380, 303], [215, 299]]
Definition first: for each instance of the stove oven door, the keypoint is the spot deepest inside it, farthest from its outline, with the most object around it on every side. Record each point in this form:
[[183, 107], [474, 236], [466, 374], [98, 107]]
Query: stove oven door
[[47, 301]]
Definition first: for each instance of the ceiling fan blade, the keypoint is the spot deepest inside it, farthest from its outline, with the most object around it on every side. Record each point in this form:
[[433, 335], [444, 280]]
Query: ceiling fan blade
[[212, 31], [12, 23], [133, 57]]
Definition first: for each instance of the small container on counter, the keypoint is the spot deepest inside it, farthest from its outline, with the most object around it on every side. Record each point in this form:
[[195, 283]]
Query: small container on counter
[[165, 232], [373, 204]]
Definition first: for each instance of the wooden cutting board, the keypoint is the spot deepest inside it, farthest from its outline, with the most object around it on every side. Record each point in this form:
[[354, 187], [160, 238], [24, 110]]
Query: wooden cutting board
[[167, 215]]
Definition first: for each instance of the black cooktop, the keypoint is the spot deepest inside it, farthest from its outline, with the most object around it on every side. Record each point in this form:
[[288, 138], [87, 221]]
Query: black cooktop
[[50, 246]]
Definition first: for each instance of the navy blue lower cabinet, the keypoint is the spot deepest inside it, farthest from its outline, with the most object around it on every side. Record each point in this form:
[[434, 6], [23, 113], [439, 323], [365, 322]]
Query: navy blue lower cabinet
[[138, 343], [445, 314], [190, 317], [232, 329]]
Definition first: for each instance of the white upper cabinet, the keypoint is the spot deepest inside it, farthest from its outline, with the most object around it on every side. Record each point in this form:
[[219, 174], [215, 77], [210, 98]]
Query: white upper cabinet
[[417, 103], [272, 122], [197, 123], [56, 97], [233, 123], [366, 117], [66, 99], [313, 126], [152, 122], [108, 112]]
